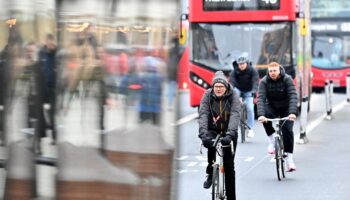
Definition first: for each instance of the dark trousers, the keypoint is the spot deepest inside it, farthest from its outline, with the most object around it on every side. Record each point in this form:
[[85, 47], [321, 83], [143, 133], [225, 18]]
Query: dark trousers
[[287, 127], [229, 166]]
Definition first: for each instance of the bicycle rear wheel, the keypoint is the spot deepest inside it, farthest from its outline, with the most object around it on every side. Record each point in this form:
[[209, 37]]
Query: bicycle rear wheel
[[243, 123], [215, 184]]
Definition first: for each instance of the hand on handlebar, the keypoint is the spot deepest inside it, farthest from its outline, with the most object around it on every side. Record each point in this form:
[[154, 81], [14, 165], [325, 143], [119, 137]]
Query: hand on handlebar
[[207, 142], [226, 140], [262, 119], [291, 117]]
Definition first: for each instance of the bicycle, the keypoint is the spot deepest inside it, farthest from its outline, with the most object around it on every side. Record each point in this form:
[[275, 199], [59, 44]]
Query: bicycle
[[218, 180], [279, 147]]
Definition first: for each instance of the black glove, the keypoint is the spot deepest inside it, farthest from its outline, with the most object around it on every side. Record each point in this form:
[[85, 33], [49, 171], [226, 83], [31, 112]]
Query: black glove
[[207, 141], [226, 140]]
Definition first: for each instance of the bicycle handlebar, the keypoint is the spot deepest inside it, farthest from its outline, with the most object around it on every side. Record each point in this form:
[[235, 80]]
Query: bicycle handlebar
[[277, 119]]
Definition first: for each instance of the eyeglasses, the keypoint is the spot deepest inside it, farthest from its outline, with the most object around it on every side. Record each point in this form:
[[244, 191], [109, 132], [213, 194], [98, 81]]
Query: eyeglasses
[[219, 87]]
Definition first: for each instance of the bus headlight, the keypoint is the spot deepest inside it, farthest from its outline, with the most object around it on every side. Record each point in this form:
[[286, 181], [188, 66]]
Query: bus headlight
[[198, 81]]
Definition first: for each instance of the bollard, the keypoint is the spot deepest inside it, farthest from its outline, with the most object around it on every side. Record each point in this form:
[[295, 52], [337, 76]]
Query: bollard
[[331, 92], [303, 121], [348, 88], [327, 95]]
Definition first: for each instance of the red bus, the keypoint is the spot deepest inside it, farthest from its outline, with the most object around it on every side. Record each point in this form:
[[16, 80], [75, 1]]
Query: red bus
[[330, 42], [262, 30], [183, 70]]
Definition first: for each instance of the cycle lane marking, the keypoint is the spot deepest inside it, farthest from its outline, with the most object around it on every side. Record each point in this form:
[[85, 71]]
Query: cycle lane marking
[[321, 118]]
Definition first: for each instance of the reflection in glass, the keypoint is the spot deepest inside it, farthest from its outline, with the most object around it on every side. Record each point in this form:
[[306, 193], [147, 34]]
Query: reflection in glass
[[87, 99], [114, 136]]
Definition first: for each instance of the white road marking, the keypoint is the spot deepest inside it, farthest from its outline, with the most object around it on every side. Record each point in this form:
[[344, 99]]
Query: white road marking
[[187, 171], [254, 166], [249, 159], [319, 120], [181, 171], [204, 164], [201, 158], [186, 119], [273, 159], [182, 158], [191, 164]]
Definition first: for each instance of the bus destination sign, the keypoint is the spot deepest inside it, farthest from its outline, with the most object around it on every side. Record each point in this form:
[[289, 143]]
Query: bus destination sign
[[230, 5]]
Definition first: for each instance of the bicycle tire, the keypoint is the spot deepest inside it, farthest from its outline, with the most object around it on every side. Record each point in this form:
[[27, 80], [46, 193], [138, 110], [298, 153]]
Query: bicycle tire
[[277, 158], [243, 122], [282, 156], [215, 184]]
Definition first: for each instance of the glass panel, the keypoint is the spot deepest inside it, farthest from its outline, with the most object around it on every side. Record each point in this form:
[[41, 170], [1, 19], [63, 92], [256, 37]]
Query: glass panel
[[331, 52], [326, 8]]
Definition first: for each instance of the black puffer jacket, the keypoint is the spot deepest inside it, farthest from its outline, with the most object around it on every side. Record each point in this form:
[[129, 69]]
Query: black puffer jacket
[[245, 81], [228, 107], [280, 94]]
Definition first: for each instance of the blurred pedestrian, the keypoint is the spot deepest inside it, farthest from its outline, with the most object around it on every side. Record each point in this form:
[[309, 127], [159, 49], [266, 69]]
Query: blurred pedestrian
[[47, 61], [151, 93], [173, 62]]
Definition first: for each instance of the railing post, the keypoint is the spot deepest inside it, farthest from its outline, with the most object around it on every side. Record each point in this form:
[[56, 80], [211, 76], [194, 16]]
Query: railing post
[[331, 92], [348, 88]]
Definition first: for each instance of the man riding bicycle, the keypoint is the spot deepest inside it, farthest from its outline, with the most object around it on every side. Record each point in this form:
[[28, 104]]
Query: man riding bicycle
[[278, 98], [219, 113], [245, 80]]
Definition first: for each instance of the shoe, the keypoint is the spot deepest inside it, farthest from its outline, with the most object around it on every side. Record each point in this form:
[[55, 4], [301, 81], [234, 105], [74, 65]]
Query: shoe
[[208, 182], [250, 134], [290, 164], [271, 149]]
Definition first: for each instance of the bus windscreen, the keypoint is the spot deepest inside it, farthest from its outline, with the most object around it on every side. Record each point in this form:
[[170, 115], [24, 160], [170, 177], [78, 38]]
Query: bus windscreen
[[217, 45], [230, 5], [331, 52]]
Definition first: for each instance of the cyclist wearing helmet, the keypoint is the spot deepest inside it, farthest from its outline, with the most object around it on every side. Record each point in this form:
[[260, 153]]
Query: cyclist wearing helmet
[[219, 113], [278, 98], [245, 80]]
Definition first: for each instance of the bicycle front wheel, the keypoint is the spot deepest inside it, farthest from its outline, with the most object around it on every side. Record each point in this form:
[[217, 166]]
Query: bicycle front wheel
[[215, 184], [278, 157], [243, 123]]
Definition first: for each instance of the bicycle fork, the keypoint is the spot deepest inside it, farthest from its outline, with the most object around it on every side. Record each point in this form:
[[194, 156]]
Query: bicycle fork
[[221, 177]]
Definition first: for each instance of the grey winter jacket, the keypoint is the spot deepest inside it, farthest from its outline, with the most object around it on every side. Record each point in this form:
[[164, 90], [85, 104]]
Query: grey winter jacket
[[228, 107], [280, 94]]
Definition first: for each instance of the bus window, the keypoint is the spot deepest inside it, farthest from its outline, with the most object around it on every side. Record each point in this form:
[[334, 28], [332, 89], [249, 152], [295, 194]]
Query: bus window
[[260, 42], [331, 52]]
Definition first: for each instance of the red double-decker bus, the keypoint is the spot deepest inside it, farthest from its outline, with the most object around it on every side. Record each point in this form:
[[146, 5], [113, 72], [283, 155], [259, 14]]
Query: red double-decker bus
[[183, 66], [262, 30], [330, 42]]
